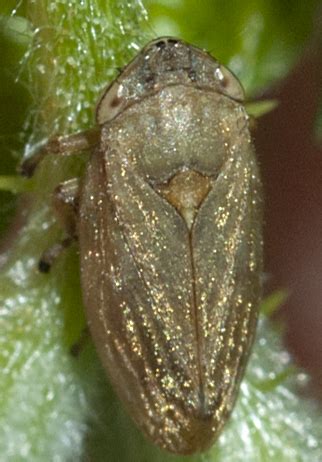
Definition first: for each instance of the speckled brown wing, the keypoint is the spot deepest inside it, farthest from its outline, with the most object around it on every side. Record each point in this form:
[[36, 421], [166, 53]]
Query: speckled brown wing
[[227, 243], [136, 277], [173, 311]]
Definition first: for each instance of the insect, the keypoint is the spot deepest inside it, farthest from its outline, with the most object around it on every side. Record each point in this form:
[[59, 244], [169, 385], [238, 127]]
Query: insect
[[169, 221]]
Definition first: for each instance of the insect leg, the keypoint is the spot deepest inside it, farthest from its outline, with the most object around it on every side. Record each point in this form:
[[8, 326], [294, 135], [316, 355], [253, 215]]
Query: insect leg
[[51, 254], [66, 205], [65, 201], [63, 146]]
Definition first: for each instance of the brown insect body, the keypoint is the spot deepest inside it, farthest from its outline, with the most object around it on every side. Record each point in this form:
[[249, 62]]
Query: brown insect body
[[170, 280], [169, 225]]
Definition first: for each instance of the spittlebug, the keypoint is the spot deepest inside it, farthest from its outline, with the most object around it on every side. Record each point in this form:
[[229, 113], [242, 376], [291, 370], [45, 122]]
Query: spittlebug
[[169, 222]]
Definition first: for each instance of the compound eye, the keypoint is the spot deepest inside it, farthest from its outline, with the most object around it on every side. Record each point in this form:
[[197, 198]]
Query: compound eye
[[229, 83], [110, 103]]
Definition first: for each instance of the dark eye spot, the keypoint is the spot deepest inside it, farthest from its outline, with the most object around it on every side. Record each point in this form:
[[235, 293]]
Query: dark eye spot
[[115, 101], [161, 44], [224, 82]]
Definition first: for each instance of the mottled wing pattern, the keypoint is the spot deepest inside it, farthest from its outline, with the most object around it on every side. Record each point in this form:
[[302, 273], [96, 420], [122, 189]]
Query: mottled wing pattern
[[227, 247], [137, 288], [172, 312]]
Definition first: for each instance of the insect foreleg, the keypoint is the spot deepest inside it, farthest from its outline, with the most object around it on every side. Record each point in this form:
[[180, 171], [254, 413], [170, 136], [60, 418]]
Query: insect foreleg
[[63, 146]]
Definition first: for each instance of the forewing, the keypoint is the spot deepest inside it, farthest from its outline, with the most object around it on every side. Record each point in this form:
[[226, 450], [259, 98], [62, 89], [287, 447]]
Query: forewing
[[136, 276], [228, 260]]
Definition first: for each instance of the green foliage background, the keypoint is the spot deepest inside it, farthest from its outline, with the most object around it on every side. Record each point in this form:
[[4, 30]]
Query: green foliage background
[[57, 57]]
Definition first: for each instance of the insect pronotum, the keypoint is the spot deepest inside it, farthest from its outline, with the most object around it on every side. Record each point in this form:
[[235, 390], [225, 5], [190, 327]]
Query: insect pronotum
[[169, 223]]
